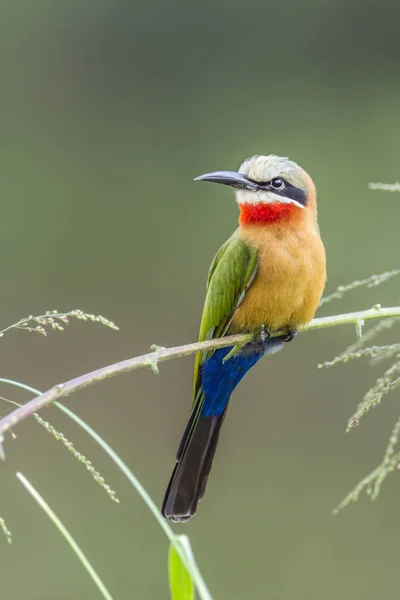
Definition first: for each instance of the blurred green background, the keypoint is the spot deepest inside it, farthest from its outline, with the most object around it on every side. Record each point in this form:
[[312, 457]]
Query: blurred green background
[[108, 110]]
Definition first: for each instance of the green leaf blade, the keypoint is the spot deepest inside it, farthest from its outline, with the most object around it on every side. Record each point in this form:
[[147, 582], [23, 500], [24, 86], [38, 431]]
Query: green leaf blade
[[180, 582]]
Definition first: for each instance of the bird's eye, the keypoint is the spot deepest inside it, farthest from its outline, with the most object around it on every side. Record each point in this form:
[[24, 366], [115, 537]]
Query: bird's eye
[[277, 183]]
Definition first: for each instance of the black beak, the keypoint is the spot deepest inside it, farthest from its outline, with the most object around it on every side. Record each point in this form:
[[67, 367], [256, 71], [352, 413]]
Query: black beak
[[236, 180]]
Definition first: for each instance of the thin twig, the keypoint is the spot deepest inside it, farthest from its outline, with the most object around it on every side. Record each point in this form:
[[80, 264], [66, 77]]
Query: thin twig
[[184, 551], [369, 282], [68, 537], [61, 437], [387, 187], [161, 354]]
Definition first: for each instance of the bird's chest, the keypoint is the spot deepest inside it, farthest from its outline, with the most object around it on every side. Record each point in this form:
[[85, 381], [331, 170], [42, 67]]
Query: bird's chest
[[288, 285]]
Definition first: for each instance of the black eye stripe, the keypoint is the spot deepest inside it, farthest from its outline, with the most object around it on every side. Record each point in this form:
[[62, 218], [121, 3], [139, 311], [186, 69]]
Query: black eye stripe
[[287, 191], [267, 184], [293, 193]]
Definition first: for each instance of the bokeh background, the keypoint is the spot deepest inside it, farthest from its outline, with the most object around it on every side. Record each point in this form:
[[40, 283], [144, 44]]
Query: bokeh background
[[108, 110]]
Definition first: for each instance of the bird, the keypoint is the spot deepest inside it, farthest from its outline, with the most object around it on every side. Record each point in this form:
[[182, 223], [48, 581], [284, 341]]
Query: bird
[[267, 277]]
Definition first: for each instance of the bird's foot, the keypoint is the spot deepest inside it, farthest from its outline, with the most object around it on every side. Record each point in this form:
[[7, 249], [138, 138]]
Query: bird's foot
[[291, 333], [265, 334]]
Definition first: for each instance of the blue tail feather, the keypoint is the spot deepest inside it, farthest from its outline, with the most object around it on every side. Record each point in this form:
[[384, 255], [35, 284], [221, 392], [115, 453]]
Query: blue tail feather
[[219, 378], [197, 448]]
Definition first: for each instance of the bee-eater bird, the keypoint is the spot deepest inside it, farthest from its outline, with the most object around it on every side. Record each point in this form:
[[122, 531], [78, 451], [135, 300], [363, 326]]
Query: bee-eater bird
[[267, 277]]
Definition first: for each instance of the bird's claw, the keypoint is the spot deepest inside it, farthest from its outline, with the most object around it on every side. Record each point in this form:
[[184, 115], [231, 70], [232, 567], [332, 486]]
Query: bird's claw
[[265, 334], [291, 333]]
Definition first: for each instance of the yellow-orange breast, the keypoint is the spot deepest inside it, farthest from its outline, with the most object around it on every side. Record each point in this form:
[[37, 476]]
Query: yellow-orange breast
[[290, 278]]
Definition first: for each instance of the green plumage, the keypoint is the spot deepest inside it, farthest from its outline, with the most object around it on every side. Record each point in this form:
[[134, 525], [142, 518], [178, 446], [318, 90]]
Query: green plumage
[[231, 272]]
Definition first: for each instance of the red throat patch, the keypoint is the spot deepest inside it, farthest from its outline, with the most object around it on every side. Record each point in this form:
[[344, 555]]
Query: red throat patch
[[266, 213]]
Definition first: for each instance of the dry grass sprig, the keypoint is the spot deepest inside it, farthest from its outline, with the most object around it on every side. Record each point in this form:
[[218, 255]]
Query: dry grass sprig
[[386, 187], [369, 282], [56, 321], [5, 530], [60, 437], [372, 483]]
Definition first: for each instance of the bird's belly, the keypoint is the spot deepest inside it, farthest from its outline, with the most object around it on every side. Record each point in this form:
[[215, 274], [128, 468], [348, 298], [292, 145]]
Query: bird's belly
[[274, 308], [284, 294]]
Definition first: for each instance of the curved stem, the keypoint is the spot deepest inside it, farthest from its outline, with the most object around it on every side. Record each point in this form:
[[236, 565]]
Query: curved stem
[[160, 354], [68, 537]]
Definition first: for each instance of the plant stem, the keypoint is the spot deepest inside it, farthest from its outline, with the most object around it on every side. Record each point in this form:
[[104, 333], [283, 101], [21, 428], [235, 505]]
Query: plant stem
[[161, 354], [182, 546], [60, 526]]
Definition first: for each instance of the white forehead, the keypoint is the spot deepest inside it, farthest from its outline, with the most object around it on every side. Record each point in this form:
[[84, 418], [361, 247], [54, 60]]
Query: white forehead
[[265, 168]]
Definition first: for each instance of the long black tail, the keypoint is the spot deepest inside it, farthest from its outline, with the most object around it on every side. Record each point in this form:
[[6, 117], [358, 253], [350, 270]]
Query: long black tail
[[194, 459], [217, 380]]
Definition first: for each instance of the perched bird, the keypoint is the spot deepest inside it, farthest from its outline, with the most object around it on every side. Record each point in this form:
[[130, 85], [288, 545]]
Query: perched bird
[[268, 276]]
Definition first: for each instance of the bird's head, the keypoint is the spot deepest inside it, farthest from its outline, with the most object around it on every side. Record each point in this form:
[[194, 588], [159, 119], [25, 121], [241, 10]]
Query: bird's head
[[270, 189]]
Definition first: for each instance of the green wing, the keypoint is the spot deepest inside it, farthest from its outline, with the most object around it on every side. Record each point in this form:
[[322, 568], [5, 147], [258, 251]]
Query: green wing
[[230, 274]]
